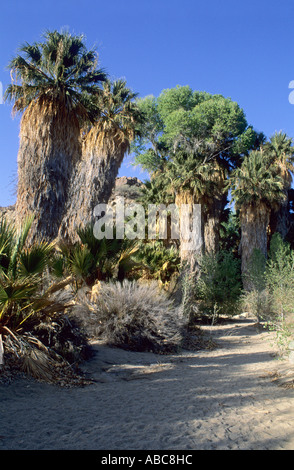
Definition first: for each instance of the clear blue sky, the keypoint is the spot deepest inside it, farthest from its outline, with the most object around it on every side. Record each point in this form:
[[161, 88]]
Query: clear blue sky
[[242, 50]]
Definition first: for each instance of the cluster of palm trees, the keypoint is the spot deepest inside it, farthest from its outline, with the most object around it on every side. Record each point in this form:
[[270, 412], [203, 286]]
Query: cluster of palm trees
[[199, 149], [260, 188], [76, 126]]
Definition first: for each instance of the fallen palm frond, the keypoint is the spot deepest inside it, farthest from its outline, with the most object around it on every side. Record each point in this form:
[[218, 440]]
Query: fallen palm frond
[[29, 355]]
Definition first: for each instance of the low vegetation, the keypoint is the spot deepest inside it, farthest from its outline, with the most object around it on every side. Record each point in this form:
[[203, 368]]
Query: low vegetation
[[35, 334], [134, 315], [271, 298]]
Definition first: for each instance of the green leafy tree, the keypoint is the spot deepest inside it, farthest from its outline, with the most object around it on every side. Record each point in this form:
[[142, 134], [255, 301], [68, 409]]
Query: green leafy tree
[[218, 288]]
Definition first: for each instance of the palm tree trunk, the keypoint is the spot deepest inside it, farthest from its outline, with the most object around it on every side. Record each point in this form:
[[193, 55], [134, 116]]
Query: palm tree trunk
[[280, 220], [49, 149], [188, 255], [212, 220], [91, 184], [254, 224], [190, 258]]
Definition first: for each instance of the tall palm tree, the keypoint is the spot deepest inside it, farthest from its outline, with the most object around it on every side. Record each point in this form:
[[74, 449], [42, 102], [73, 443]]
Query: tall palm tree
[[52, 85], [281, 152], [256, 188], [197, 181], [206, 168], [104, 147]]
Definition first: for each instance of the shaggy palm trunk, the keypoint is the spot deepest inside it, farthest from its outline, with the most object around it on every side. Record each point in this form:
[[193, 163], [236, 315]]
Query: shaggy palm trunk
[[280, 220], [188, 253], [254, 224], [49, 150], [213, 214], [190, 258], [91, 184]]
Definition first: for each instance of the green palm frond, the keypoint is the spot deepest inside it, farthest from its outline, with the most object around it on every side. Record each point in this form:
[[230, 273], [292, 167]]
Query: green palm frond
[[15, 294], [81, 262], [58, 266], [117, 117], [256, 181], [19, 245], [280, 151], [59, 68], [190, 172], [35, 259]]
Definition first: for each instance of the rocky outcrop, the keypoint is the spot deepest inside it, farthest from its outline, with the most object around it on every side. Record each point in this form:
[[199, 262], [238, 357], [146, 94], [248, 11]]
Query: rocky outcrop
[[8, 212], [125, 186]]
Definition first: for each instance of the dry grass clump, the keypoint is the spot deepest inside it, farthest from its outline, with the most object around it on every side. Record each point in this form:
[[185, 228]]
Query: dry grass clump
[[133, 315]]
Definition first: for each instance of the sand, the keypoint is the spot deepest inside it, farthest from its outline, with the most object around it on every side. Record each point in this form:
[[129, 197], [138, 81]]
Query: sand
[[220, 399]]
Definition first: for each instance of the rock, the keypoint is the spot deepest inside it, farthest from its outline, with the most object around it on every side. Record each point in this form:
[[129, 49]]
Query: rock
[[127, 187], [8, 212]]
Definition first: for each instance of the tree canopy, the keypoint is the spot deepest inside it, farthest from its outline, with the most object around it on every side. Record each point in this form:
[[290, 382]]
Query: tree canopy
[[209, 127]]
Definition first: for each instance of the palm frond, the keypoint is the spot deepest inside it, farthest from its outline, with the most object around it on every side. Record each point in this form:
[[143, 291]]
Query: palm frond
[[117, 117], [34, 259], [256, 181], [60, 66], [19, 245]]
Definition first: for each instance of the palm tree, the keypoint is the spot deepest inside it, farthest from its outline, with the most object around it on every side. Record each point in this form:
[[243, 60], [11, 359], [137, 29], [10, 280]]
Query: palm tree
[[53, 84], [256, 188], [280, 150], [104, 147], [193, 181]]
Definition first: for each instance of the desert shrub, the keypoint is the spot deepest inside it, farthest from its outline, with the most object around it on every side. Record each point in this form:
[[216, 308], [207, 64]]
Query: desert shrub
[[218, 288], [257, 303], [280, 283], [133, 315], [271, 298]]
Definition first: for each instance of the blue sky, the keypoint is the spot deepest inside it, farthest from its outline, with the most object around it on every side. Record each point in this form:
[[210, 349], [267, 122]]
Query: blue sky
[[242, 50]]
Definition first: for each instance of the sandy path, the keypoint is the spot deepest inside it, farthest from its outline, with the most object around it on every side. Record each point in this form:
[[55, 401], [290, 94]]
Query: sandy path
[[219, 399]]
